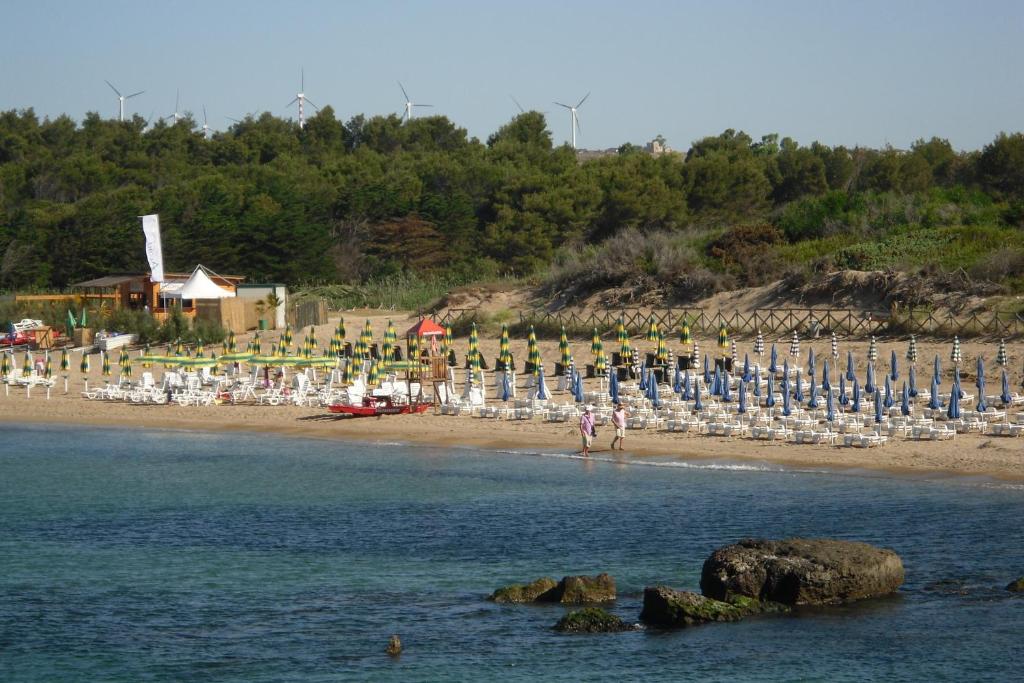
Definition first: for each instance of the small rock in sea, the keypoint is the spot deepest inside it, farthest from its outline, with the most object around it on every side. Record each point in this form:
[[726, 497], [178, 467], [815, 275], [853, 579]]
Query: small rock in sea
[[591, 620], [668, 608], [801, 571], [1016, 586], [394, 646], [571, 590], [946, 587]]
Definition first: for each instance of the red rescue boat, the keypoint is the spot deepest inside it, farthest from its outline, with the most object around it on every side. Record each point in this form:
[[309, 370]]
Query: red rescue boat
[[377, 406]]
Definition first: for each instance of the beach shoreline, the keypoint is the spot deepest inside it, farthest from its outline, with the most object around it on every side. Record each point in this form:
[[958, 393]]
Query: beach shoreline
[[967, 456]]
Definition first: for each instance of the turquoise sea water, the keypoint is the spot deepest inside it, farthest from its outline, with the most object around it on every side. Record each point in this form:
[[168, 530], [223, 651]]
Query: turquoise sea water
[[167, 556]]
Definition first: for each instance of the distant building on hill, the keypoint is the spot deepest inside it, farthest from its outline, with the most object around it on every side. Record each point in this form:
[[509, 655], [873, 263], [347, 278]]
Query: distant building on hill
[[656, 148]]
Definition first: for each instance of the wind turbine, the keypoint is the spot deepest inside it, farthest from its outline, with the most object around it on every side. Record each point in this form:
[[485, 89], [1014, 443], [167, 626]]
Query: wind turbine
[[176, 116], [409, 104], [121, 99], [574, 121], [206, 125], [302, 99], [521, 110]]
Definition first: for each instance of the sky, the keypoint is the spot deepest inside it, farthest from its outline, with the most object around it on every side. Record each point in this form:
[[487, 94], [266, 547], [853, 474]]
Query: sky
[[853, 73]]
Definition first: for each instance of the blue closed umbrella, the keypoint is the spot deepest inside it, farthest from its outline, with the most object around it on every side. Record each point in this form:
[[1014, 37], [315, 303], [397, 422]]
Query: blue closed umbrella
[[655, 400], [953, 410], [707, 371], [643, 382], [578, 387], [542, 394], [826, 381], [980, 383], [905, 401], [769, 399], [757, 382], [687, 394], [830, 407], [878, 406], [934, 402], [913, 382], [677, 385], [1005, 397], [936, 370], [849, 366], [843, 398], [773, 366], [742, 408], [855, 406], [811, 365], [613, 388], [894, 373], [812, 402], [506, 390], [956, 383], [726, 393], [746, 368], [786, 410], [698, 405], [785, 371], [869, 385], [716, 383], [798, 394], [888, 400]]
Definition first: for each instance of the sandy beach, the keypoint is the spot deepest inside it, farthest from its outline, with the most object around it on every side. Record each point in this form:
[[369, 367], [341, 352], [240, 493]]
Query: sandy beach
[[968, 454]]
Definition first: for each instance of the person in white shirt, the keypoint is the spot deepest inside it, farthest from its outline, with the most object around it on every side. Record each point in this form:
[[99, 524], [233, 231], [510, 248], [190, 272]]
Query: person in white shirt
[[619, 422]]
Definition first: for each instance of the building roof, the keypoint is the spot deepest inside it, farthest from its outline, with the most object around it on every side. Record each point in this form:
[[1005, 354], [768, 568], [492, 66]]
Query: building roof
[[425, 328], [108, 281]]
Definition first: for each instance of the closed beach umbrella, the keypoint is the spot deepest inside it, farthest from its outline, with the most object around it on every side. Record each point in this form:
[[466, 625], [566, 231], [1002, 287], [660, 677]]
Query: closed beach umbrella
[[934, 402], [340, 330], [980, 383], [695, 355], [878, 406], [642, 383], [707, 370], [785, 371], [661, 352], [684, 333], [953, 409], [698, 405], [746, 368], [506, 389], [954, 355], [888, 400], [912, 377], [759, 344], [794, 345], [387, 349], [905, 401], [826, 381], [912, 350], [716, 387], [257, 343], [125, 363], [1001, 358], [447, 340], [855, 405], [505, 354], [936, 371], [200, 349], [26, 366], [542, 390], [595, 342], [869, 385], [812, 402], [735, 358], [474, 348], [757, 381], [872, 352], [652, 330], [830, 407], [843, 398], [65, 363], [723, 339], [769, 399], [373, 377], [849, 366], [231, 345], [894, 373], [687, 393], [726, 389], [1005, 396], [123, 359], [622, 336], [798, 393], [835, 347], [787, 409], [613, 387], [742, 407], [655, 399], [83, 367], [773, 363], [145, 352], [600, 363], [286, 338], [105, 365], [956, 384], [532, 352], [677, 381], [48, 367], [811, 366]]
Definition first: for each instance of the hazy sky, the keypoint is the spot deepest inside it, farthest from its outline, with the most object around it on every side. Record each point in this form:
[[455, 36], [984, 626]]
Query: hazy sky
[[849, 72]]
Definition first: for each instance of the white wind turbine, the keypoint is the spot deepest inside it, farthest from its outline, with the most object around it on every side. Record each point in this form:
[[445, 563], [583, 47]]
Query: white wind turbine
[[301, 98], [175, 115], [574, 121], [409, 104], [206, 125], [121, 99]]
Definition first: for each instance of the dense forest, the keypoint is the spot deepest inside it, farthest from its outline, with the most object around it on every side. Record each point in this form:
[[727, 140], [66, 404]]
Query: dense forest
[[375, 196]]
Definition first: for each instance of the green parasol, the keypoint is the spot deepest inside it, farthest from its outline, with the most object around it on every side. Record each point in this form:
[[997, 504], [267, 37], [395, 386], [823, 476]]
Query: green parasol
[[105, 365], [448, 341], [390, 340], [723, 339], [26, 366], [286, 338], [600, 362], [661, 352], [200, 349], [5, 364], [563, 347], [684, 333], [179, 348], [125, 363], [84, 366], [595, 342], [414, 355], [256, 343], [652, 330], [532, 350], [504, 355], [232, 344], [313, 343], [374, 376], [48, 368], [65, 362], [474, 348], [340, 331], [123, 358]]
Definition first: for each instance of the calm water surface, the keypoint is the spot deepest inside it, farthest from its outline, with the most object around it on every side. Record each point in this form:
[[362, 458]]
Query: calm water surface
[[166, 556]]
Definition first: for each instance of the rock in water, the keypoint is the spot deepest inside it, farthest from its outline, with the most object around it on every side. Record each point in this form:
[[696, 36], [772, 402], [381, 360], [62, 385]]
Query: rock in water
[[571, 590], [591, 620], [394, 646], [801, 571], [668, 608], [519, 593], [1016, 586]]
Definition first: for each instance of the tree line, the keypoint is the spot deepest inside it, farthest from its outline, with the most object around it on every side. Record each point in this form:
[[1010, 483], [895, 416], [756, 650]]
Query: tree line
[[373, 197]]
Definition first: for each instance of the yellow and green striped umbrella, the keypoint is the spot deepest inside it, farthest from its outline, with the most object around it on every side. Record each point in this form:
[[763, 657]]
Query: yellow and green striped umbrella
[[723, 340], [286, 338], [652, 330], [374, 376], [661, 353], [5, 364], [504, 355], [232, 343], [447, 342], [256, 343], [200, 349], [684, 333], [126, 366], [123, 358], [474, 348], [414, 354], [563, 347], [145, 352], [105, 365], [620, 330], [346, 371], [26, 366], [48, 368], [625, 349], [340, 330], [595, 343], [84, 366], [532, 352], [390, 340], [65, 362], [179, 348], [313, 343], [600, 362]]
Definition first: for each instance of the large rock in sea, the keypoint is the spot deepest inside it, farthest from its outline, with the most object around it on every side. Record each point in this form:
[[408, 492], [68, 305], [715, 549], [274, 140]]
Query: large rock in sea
[[591, 620], [801, 571], [571, 590], [668, 608], [1016, 586]]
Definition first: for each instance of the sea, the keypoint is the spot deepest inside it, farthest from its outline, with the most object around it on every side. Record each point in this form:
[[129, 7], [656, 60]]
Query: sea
[[149, 555]]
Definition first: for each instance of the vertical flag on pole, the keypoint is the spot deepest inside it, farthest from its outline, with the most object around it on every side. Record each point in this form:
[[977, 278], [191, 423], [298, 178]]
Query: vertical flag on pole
[[154, 252]]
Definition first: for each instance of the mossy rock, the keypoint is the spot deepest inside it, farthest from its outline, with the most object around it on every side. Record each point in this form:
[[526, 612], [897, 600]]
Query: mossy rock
[[591, 620], [577, 590], [516, 594], [1016, 586], [670, 608]]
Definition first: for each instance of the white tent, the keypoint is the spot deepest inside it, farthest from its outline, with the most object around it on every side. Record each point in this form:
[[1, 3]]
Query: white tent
[[200, 286]]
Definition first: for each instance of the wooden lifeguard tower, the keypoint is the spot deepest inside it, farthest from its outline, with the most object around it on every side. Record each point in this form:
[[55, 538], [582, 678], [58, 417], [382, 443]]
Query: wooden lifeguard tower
[[434, 368]]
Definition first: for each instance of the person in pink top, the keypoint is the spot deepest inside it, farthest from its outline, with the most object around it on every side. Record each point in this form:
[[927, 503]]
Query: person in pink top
[[587, 430], [619, 422]]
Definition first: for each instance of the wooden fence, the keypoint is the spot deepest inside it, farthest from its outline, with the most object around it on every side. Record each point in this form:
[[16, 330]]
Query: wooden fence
[[808, 322], [308, 313]]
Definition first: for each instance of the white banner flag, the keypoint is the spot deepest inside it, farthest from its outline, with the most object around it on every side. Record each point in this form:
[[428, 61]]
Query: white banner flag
[[155, 254]]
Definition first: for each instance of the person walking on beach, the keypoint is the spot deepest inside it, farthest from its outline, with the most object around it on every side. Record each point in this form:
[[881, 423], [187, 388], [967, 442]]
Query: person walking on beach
[[587, 430], [619, 422]]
